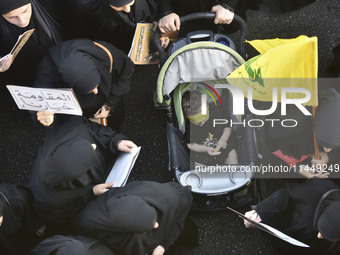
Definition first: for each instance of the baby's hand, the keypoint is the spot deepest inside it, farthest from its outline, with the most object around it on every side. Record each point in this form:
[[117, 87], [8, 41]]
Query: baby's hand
[[212, 151], [221, 144]]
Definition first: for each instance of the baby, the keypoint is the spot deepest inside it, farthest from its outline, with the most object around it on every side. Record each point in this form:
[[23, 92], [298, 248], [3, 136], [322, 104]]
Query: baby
[[209, 145]]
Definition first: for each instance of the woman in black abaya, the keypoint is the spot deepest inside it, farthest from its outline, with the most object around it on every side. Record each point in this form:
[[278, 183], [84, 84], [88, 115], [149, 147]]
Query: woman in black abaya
[[18, 223], [306, 211], [65, 245], [47, 17], [98, 72], [139, 218], [71, 166]]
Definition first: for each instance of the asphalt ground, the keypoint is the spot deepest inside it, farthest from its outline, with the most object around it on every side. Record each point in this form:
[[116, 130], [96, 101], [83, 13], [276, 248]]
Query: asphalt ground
[[219, 232]]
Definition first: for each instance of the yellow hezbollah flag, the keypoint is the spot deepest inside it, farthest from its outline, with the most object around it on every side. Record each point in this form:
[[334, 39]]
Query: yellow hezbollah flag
[[283, 63]]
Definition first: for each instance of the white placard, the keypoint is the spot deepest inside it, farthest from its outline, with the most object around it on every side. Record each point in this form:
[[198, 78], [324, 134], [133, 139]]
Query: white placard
[[61, 101]]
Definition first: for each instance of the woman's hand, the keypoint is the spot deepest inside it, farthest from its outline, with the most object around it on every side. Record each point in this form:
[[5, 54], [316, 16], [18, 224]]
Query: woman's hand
[[159, 250], [223, 16], [169, 23], [103, 112], [100, 189], [221, 144], [253, 215], [5, 63], [126, 146], [45, 118]]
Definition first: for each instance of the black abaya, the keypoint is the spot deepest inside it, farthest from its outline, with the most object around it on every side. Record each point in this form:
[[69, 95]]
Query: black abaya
[[48, 19], [64, 172], [81, 65], [19, 222], [292, 211], [65, 245], [124, 217]]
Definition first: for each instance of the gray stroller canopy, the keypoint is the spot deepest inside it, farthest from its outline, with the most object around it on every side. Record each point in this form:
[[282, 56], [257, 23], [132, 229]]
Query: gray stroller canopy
[[196, 62]]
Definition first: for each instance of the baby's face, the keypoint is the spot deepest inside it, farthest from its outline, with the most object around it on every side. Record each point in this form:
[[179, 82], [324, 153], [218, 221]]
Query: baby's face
[[201, 123], [164, 41]]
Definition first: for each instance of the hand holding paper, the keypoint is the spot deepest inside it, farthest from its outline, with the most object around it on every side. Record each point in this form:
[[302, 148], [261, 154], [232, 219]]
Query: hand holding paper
[[269, 229], [121, 170], [45, 118], [253, 215], [126, 146], [6, 62]]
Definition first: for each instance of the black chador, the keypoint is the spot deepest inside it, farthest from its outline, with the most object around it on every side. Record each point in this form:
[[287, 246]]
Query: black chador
[[124, 218], [80, 64], [67, 166], [66, 245]]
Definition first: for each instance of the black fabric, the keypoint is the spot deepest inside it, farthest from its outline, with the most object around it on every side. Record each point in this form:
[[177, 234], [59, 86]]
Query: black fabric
[[292, 211], [170, 200], [179, 152], [295, 141], [66, 245], [326, 218], [98, 21], [334, 67], [326, 124], [119, 3], [48, 19], [59, 194], [127, 222], [82, 65], [18, 219], [7, 6], [291, 5]]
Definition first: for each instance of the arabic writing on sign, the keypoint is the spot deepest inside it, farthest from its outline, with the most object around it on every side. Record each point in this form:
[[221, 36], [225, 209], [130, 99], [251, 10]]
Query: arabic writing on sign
[[38, 99]]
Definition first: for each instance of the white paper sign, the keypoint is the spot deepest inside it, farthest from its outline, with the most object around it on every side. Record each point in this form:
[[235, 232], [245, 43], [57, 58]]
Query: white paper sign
[[61, 101]]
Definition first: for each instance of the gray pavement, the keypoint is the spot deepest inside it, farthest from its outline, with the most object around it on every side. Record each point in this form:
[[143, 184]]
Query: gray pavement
[[220, 232]]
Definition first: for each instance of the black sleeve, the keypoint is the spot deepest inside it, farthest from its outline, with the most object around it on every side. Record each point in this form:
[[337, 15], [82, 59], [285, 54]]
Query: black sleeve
[[107, 136], [227, 4], [46, 77], [182, 212], [77, 205], [274, 209], [164, 8]]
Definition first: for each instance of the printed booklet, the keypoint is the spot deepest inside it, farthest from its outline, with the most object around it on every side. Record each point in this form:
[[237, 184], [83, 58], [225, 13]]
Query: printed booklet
[[122, 168]]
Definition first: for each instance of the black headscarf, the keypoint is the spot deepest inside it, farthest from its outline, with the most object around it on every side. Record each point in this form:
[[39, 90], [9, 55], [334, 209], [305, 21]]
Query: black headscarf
[[68, 163], [7, 6], [106, 217], [327, 121], [327, 218], [128, 222], [119, 3], [82, 65], [67, 167], [65, 245]]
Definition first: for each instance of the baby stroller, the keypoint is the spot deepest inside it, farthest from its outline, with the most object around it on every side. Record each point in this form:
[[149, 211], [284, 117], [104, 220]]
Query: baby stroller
[[208, 61]]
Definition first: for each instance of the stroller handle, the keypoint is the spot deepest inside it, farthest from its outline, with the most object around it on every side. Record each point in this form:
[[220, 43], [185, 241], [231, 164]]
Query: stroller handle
[[200, 16]]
